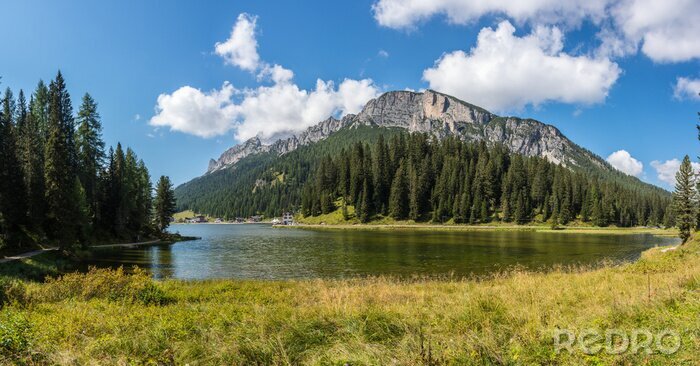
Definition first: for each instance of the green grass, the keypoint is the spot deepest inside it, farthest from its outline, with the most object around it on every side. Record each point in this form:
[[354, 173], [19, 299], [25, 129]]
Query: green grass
[[335, 220], [112, 317]]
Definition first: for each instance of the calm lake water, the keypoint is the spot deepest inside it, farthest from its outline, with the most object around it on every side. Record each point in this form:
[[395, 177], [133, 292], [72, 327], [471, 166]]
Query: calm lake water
[[261, 252]]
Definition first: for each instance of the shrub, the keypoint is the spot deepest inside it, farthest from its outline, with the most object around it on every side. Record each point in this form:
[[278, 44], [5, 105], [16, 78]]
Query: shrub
[[11, 290], [109, 284], [15, 332]]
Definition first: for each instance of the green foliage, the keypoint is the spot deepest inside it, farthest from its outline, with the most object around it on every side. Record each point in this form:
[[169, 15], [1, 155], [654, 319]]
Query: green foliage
[[684, 199], [165, 204], [112, 285], [252, 186], [454, 181], [55, 186], [15, 333]]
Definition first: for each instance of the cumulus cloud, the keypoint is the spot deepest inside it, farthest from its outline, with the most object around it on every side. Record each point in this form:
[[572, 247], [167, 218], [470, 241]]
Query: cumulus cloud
[[284, 109], [269, 112], [241, 48], [687, 88], [192, 111], [666, 171], [504, 71], [402, 14], [667, 30], [624, 162]]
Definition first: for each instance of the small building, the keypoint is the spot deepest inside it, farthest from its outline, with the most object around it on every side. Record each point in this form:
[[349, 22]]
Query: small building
[[288, 218], [197, 219]]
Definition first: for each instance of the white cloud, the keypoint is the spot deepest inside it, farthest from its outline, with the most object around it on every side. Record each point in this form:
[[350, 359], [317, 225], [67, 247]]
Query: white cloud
[[241, 48], [666, 29], [505, 71], [284, 109], [270, 112], [624, 162], [687, 88], [189, 110], [383, 54], [666, 171], [276, 73], [402, 14]]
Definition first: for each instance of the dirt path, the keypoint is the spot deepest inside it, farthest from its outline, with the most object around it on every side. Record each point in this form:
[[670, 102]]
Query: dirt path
[[40, 251]]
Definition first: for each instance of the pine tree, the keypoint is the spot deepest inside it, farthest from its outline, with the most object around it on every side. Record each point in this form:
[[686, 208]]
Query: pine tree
[[91, 152], [12, 190], [164, 203], [382, 176], [398, 199], [62, 189], [31, 153], [684, 199]]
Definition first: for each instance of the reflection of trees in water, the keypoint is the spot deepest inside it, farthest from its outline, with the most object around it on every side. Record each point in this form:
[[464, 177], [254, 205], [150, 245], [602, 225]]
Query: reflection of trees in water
[[261, 252]]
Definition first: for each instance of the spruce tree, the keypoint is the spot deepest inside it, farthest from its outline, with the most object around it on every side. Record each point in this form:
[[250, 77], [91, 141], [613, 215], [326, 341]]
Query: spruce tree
[[63, 190], [398, 200], [13, 209], [382, 176], [31, 152], [684, 199], [91, 152], [164, 203]]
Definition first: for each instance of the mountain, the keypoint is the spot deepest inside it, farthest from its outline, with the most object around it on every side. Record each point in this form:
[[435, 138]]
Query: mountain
[[437, 114], [255, 177]]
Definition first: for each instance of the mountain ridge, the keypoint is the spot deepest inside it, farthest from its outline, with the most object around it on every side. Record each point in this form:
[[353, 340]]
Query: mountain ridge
[[438, 114]]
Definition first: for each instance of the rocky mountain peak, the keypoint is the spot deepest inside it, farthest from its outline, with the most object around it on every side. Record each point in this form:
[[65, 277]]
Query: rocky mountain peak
[[421, 112], [435, 113]]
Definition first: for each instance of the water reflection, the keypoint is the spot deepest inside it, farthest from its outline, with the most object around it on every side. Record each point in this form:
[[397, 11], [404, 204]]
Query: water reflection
[[261, 252]]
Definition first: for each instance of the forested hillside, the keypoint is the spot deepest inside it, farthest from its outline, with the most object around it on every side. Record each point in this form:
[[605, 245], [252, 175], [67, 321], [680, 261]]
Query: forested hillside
[[419, 178], [265, 183], [388, 171], [58, 185]]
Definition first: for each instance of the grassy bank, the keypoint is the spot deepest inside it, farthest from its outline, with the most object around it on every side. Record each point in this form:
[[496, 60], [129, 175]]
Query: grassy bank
[[496, 227], [336, 220], [110, 317]]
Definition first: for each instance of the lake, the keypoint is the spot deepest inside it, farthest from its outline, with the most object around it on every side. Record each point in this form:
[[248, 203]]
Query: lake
[[258, 251]]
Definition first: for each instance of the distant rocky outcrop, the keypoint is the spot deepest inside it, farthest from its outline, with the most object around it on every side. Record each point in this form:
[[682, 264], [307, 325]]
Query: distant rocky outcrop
[[435, 113]]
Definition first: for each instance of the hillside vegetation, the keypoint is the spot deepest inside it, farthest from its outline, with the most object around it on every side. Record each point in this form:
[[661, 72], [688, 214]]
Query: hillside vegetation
[[433, 181], [111, 317]]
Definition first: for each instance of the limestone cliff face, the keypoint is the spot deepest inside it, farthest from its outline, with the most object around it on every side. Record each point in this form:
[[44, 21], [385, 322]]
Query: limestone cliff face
[[435, 113]]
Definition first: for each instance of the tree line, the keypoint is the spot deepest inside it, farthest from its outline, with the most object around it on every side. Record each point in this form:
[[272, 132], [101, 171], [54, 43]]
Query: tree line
[[59, 185], [415, 177]]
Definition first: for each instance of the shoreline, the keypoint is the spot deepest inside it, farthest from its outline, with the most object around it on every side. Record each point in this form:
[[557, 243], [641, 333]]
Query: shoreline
[[458, 227]]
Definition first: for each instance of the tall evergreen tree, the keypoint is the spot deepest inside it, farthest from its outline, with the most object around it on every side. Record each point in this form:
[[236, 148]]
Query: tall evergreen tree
[[398, 200], [90, 150], [684, 199], [63, 190], [12, 189], [31, 153], [164, 203]]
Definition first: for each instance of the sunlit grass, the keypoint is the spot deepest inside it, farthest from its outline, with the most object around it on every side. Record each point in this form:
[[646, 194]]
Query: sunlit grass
[[110, 317]]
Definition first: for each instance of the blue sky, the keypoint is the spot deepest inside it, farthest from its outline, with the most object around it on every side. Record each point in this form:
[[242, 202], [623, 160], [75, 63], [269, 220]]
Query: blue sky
[[605, 72]]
